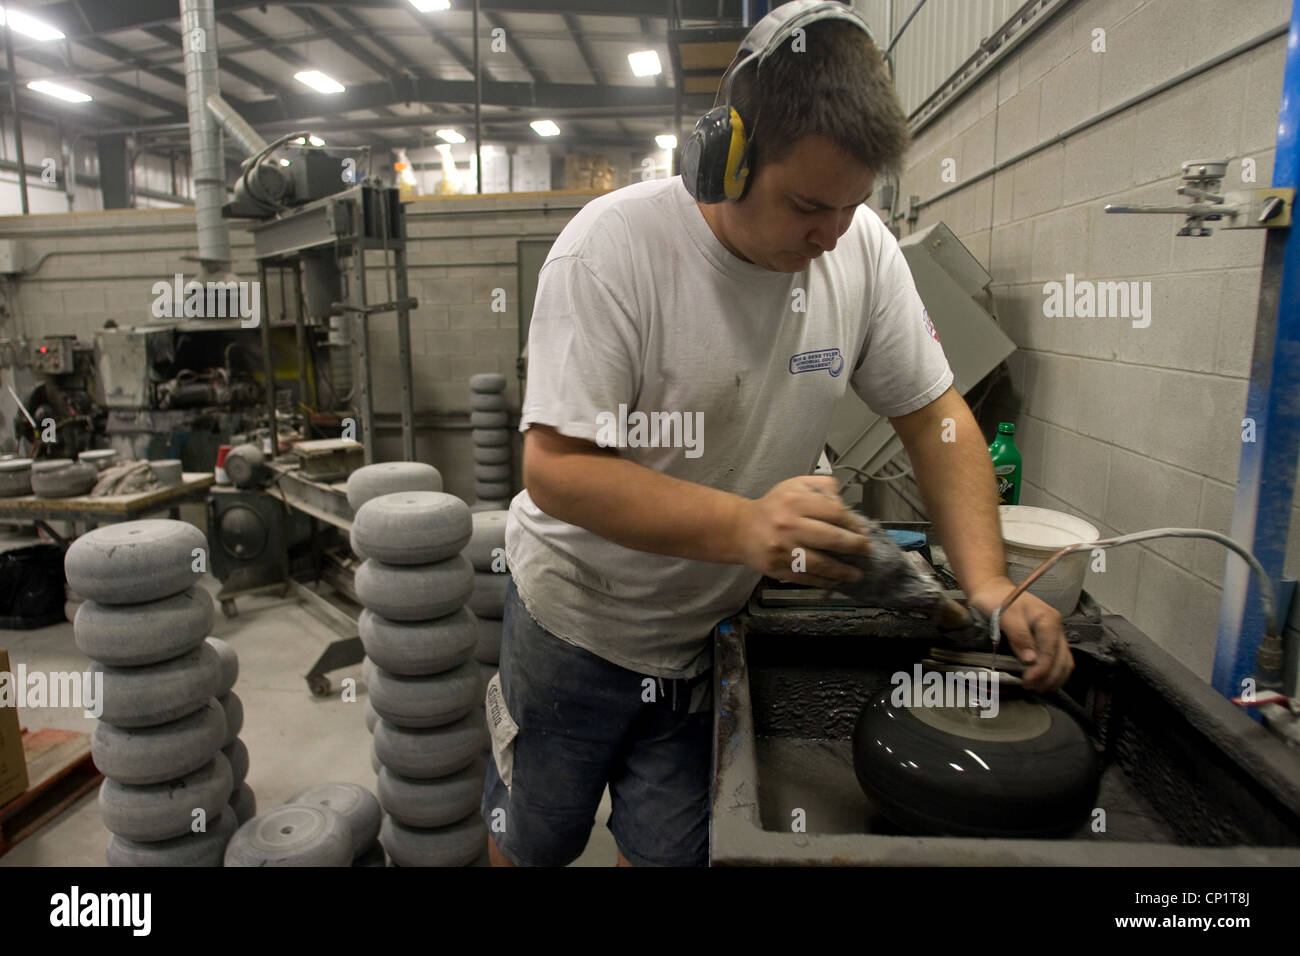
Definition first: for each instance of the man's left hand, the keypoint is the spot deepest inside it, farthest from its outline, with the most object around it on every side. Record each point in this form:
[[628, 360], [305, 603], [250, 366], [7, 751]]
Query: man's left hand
[[1035, 633]]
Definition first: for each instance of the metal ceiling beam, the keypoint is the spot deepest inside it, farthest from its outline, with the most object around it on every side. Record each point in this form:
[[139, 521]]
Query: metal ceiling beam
[[440, 37], [649, 32], [78, 19], [498, 138], [175, 109], [396, 57], [520, 51], [161, 58], [532, 97], [172, 108], [262, 40], [83, 116], [691, 9], [299, 62], [113, 51], [575, 28], [330, 30], [237, 70], [80, 116], [280, 124]]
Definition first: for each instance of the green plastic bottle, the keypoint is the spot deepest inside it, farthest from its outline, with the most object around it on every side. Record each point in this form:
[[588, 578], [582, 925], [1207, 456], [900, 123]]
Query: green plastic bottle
[[1006, 464]]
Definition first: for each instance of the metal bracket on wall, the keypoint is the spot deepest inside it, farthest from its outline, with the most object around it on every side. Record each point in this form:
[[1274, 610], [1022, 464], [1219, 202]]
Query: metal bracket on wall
[[1268, 208]]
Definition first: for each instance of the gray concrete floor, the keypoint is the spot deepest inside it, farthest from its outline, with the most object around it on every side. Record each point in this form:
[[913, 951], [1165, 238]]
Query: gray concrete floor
[[294, 740]]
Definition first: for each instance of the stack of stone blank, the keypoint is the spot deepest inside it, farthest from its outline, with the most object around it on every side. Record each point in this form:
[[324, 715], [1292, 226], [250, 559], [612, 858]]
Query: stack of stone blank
[[424, 686], [160, 736], [386, 478], [486, 551], [242, 800], [491, 437]]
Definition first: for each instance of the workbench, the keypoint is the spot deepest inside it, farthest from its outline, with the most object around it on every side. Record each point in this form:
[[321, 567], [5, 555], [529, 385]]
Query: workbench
[[106, 509]]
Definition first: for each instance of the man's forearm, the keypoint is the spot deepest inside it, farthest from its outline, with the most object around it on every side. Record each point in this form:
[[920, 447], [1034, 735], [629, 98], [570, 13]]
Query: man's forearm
[[957, 485], [641, 509]]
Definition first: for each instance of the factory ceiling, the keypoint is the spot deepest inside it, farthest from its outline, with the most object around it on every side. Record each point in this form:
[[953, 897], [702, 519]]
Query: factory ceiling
[[405, 73]]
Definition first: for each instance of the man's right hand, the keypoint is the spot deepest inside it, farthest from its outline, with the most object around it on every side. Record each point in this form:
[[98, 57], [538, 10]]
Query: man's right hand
[[804, 513]]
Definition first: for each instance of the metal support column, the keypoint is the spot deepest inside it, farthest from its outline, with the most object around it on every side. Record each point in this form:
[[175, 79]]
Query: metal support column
[[478, 106], [403, 331], [300, 340], [1266, 476], [18, 119], [268, 360], [360, 320]]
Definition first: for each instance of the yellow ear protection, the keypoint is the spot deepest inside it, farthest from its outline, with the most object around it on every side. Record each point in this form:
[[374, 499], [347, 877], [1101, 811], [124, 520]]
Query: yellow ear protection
[[716, 158]]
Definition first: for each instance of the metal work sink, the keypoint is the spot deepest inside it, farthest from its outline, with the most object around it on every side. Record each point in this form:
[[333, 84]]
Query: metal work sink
[[1188, 779]]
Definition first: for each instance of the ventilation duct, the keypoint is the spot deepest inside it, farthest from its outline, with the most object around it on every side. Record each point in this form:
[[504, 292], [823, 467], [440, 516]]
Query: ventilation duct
[[235, 126], [199, 40]]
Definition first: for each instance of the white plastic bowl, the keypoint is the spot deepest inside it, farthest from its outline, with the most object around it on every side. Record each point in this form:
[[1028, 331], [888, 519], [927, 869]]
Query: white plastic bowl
[[1032, 535]]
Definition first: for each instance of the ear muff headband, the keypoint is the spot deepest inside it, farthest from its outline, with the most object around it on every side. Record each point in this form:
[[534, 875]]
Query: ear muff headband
[[736, 173], [715, 159]]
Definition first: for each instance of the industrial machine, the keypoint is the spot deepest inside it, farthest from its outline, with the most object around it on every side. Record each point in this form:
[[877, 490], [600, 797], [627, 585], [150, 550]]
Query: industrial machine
[[251, 534], [178, 390], [330, 245], [267, 187], [64, 395], [160, 391]]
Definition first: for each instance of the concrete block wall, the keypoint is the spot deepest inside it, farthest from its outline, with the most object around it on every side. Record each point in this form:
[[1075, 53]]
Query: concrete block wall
[[1129, 428], [103, 265], [463, 249]]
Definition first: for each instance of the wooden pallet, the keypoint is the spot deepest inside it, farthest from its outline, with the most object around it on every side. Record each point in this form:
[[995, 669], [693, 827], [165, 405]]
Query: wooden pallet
[[60, 772]]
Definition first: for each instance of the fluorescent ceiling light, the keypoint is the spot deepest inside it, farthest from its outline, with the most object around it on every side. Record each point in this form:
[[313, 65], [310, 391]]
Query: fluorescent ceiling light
[[431, 6], [313, 140], [544, 128], [28, 25], [319, 82], [450, 136], [666, 141], [62, 92], [645, 63]]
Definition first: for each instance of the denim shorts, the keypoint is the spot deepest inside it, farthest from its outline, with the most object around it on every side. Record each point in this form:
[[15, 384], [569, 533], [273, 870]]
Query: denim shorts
[[584, 723]]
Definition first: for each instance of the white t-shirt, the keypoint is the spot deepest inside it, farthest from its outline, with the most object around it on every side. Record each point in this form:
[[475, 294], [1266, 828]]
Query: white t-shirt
[[640, 309]]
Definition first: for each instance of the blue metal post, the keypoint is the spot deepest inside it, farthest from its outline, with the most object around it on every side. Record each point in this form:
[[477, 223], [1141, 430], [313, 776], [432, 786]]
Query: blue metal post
[[1266, 477]]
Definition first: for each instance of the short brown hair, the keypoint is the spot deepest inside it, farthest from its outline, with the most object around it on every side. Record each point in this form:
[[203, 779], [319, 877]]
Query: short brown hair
[[836, 86]]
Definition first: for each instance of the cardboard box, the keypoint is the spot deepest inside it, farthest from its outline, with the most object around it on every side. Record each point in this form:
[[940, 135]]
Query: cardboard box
[[13, 766], [585, 171]]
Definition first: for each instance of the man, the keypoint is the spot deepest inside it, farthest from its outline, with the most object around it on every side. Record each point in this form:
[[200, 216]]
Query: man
[[625, 552]]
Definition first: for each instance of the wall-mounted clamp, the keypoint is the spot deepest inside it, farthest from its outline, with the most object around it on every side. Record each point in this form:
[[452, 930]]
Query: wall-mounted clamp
[[1266, 208]]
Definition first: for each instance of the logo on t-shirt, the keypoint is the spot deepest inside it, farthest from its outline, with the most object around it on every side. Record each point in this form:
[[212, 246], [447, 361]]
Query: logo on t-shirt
[[829, 359], [929, 326]]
